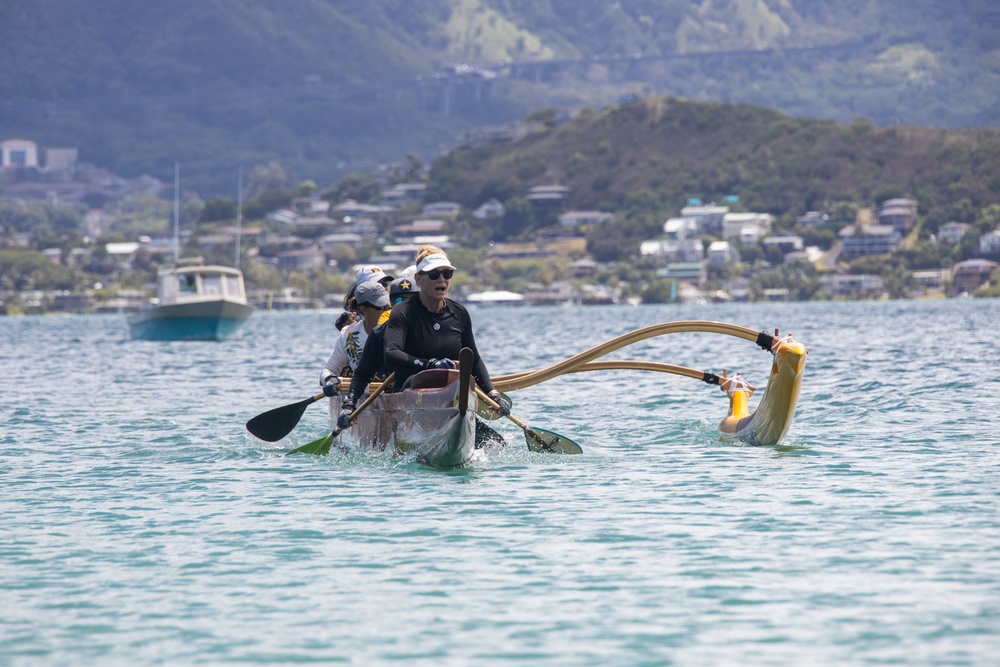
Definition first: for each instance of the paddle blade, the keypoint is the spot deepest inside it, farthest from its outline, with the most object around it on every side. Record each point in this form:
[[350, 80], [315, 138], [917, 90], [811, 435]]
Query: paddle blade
[[540, 440], [487, 436], [275, 424], [319, 447]]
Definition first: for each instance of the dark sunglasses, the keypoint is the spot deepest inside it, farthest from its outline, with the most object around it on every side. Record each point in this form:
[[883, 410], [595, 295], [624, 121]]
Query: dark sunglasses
[[435, 274]]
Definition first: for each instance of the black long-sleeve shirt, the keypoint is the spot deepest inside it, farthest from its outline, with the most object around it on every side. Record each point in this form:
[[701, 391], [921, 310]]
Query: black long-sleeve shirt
[[413, 335]]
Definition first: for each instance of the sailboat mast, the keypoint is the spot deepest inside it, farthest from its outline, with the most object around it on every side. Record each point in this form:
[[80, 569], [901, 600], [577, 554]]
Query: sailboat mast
[[177, 212], [239, 215]]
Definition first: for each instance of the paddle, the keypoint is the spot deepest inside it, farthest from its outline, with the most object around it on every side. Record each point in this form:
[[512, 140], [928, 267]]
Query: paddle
[[539, 440], [487, 412], [275, 424], [322, 446]]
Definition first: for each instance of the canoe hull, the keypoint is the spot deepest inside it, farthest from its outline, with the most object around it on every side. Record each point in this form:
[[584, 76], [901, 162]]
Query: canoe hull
[[423, 423]]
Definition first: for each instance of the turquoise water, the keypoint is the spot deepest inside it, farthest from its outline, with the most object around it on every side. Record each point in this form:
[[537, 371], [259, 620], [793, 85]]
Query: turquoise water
[[141, 524]]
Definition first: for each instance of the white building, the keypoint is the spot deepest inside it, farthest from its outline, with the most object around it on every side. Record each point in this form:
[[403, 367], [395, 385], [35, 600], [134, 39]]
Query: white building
[[719, 254], [746, 225], [673, 250], [709, 216], [490, 209], [446, 209], [952, 232], [989, 244], [18, 153], [678, 228]]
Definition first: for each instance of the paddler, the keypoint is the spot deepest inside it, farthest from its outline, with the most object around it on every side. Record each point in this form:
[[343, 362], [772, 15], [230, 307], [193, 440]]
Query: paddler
[[430, 330], [372, 362], [371, 301]]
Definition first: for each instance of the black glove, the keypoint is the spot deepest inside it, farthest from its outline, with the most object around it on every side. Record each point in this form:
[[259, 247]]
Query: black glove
[[501, 401], [332, 386], [344, 418], [440, 363]]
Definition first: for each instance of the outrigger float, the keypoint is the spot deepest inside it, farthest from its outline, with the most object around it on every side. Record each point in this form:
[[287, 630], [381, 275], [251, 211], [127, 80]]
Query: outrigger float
[[435, 419]]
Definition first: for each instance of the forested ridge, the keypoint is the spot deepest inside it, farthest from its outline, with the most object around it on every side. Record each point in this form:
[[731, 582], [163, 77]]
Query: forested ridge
[[326, 86]]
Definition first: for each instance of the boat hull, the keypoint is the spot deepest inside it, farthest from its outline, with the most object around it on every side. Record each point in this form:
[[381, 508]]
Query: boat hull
[[425, 423], [203, 320]]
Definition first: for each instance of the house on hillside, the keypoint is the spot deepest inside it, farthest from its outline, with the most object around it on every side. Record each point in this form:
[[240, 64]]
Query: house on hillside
[[852, 285], [863, 240], [708, 216], [61, 160], [674, 250], [720, 253], [900, 214], [300, 259], [678, 228], [18, 154], [746, 225], [403, 194], [490, 209], [577, 218], [444, 209], [582, 268], [418, 228], [786, 243], [693, 273], [970, 275], [814, 220], [931, 278], [547, 199], [327, 242], [989, 245], [952, 232], [310, 206]]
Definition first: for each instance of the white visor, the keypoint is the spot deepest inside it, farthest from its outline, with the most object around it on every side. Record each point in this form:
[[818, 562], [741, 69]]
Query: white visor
[[435, 261]]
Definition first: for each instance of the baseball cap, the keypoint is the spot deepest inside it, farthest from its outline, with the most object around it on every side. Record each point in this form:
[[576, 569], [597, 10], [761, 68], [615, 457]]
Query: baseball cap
[[401, 287], [371, 272], [371, 293]]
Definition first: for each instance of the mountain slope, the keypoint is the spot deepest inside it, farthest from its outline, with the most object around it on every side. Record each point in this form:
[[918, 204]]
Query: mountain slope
[[649, 157], [327, 86]]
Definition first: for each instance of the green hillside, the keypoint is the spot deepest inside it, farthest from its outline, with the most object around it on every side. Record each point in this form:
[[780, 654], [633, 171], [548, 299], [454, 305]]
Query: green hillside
[[328, 86], [646, 159]]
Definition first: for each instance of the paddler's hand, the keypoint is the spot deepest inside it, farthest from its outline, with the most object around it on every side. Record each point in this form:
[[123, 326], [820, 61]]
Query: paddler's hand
[[332, 386], [440, 363], [344, 418], [501, 401]]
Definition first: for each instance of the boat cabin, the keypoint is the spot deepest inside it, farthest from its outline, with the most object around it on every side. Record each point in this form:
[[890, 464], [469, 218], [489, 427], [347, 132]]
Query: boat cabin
[[191, 281]]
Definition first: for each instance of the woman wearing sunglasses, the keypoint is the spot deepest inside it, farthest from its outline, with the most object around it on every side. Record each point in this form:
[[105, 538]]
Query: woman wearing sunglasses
[[429, 331]]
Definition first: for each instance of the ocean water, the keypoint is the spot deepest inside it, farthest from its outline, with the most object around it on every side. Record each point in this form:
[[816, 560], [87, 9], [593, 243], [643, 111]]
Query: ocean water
[[141, 524]]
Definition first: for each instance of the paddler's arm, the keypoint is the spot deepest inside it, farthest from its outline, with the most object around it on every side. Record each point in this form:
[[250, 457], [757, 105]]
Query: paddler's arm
[[396, 360], [371, 362]]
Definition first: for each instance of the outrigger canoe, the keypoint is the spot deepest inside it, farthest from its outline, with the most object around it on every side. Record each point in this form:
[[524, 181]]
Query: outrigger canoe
[[435, 419]]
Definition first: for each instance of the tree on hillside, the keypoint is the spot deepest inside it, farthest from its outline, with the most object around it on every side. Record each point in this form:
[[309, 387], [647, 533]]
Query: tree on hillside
[[23, 269], [518, 218]]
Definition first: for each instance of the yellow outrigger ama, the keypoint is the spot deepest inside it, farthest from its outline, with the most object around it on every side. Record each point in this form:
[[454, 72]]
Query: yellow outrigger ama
[[769, 423]]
